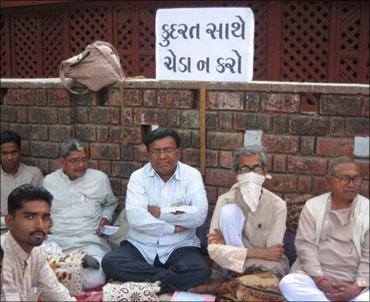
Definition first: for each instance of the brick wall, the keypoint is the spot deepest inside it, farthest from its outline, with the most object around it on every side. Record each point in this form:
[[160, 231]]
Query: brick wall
[[301, 136]]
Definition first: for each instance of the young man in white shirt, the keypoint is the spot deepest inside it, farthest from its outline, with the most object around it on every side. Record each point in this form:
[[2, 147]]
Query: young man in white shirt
[[26, 272], [165, 203]]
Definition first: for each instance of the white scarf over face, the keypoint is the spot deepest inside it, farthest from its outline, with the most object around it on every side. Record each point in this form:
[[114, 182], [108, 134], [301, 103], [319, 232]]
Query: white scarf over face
[[251, 188]]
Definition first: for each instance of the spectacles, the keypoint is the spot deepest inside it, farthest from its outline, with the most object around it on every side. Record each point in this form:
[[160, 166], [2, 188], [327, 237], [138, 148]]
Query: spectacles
[[257, 169], [346, 179], [167, 151], [76, 161]]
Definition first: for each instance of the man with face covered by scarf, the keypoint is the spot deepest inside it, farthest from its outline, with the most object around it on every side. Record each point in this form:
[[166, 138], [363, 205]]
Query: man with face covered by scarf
[[248, 223]]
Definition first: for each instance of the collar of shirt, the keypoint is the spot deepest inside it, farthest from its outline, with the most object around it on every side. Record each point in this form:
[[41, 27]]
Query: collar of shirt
[[67, 179], [352, 208], [21, 167], [151, 172]]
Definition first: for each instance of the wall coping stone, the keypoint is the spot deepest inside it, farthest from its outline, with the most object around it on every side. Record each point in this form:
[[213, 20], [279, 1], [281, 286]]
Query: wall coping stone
[[257, 86]]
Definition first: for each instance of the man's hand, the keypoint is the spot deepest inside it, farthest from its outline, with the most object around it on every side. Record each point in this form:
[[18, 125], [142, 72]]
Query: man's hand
[[344, 291], [179, 229], [216, 237], [325, 285], [272, 253], [155, 211], [104, 221]]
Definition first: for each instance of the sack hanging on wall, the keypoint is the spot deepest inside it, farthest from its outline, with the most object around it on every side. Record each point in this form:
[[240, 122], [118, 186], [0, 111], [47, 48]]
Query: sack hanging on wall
[[96, 67]]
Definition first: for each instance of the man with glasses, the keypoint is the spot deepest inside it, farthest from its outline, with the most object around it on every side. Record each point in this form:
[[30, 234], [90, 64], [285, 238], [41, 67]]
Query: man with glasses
[[332, 242], [165, 203], [248, 223], [83, 204]]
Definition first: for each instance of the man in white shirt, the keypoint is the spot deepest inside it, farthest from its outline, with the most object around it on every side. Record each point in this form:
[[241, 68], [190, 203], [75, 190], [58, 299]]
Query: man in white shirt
[[13, 172], [165, 203], [83, 204], [26, 272]]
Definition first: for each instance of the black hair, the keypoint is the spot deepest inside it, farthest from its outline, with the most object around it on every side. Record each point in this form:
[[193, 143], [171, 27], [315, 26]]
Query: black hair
[[27, 192], [9, 136], [1, 254], [160, 133]]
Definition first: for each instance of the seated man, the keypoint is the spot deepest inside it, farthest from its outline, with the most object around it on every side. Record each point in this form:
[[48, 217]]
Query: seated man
[[248, 223], [83, 204], [26, 272], [332, 242], [13, 172], [165, 202]]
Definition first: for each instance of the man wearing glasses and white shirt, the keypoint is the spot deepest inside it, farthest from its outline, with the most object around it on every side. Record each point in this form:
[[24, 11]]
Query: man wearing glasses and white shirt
[[83, 203], [332, 242], [165, 203]]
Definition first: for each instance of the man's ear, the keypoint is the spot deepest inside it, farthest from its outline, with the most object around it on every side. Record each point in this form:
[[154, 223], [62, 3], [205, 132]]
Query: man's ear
[[9, 219], [61, 161]]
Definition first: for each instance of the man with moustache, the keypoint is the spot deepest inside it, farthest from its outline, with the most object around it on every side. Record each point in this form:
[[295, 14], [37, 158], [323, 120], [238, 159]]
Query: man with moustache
[[332, 242], [26, 272], [248, 223], [83, 204], [165, 203]]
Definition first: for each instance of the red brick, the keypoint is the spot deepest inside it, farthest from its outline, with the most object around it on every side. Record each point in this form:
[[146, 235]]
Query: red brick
[[104, 151], [175, 99], [219, 177], [282, 102], [340, 105], [225, 158], [133, 97], [304, 184], [307, 145], [365, 107], [8, 114], [124, 183], [40, 97], [337, 126], [309, 103], [192, 157], [19, 96], [103, 115], [211, 194], [334, 147], [283, 183], [280, 143], [116, 186], [134, 135], [190, 119], [127, 153], [94, 164], [58, 97], [42, 115], [225, 100], [86, 133], [225, 121], [44, 149], [364, 168], [153, 116], [22, 115], [365, 189], [140, 153], [102, 134], [224, 141], [149, 97], [174, 118], [307, 165], [124, 169], [308, 125], [252, 102], [211, 120], [320, 185], [25, 147], [357, 126], [253, 121], [222, 190], [53, 165], [88, 99], [279, 163], [66, 116], [104, 165], [59, 133], [280, 123]]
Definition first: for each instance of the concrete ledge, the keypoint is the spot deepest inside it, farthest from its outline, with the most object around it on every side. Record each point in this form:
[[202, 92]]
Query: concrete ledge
[[289, 87]]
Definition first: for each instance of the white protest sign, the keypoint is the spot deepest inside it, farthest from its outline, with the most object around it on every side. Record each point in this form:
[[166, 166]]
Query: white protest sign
[[205, 44]]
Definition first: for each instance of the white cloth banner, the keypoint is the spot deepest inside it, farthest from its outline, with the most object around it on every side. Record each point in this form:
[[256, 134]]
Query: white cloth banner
[[205, 44]]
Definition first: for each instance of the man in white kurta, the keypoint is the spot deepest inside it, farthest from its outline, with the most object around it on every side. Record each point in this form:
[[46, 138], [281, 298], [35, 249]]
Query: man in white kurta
[[332, 242], [83, 204]]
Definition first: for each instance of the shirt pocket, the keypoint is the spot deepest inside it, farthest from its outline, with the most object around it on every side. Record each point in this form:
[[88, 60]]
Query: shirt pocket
[[87, 207]]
